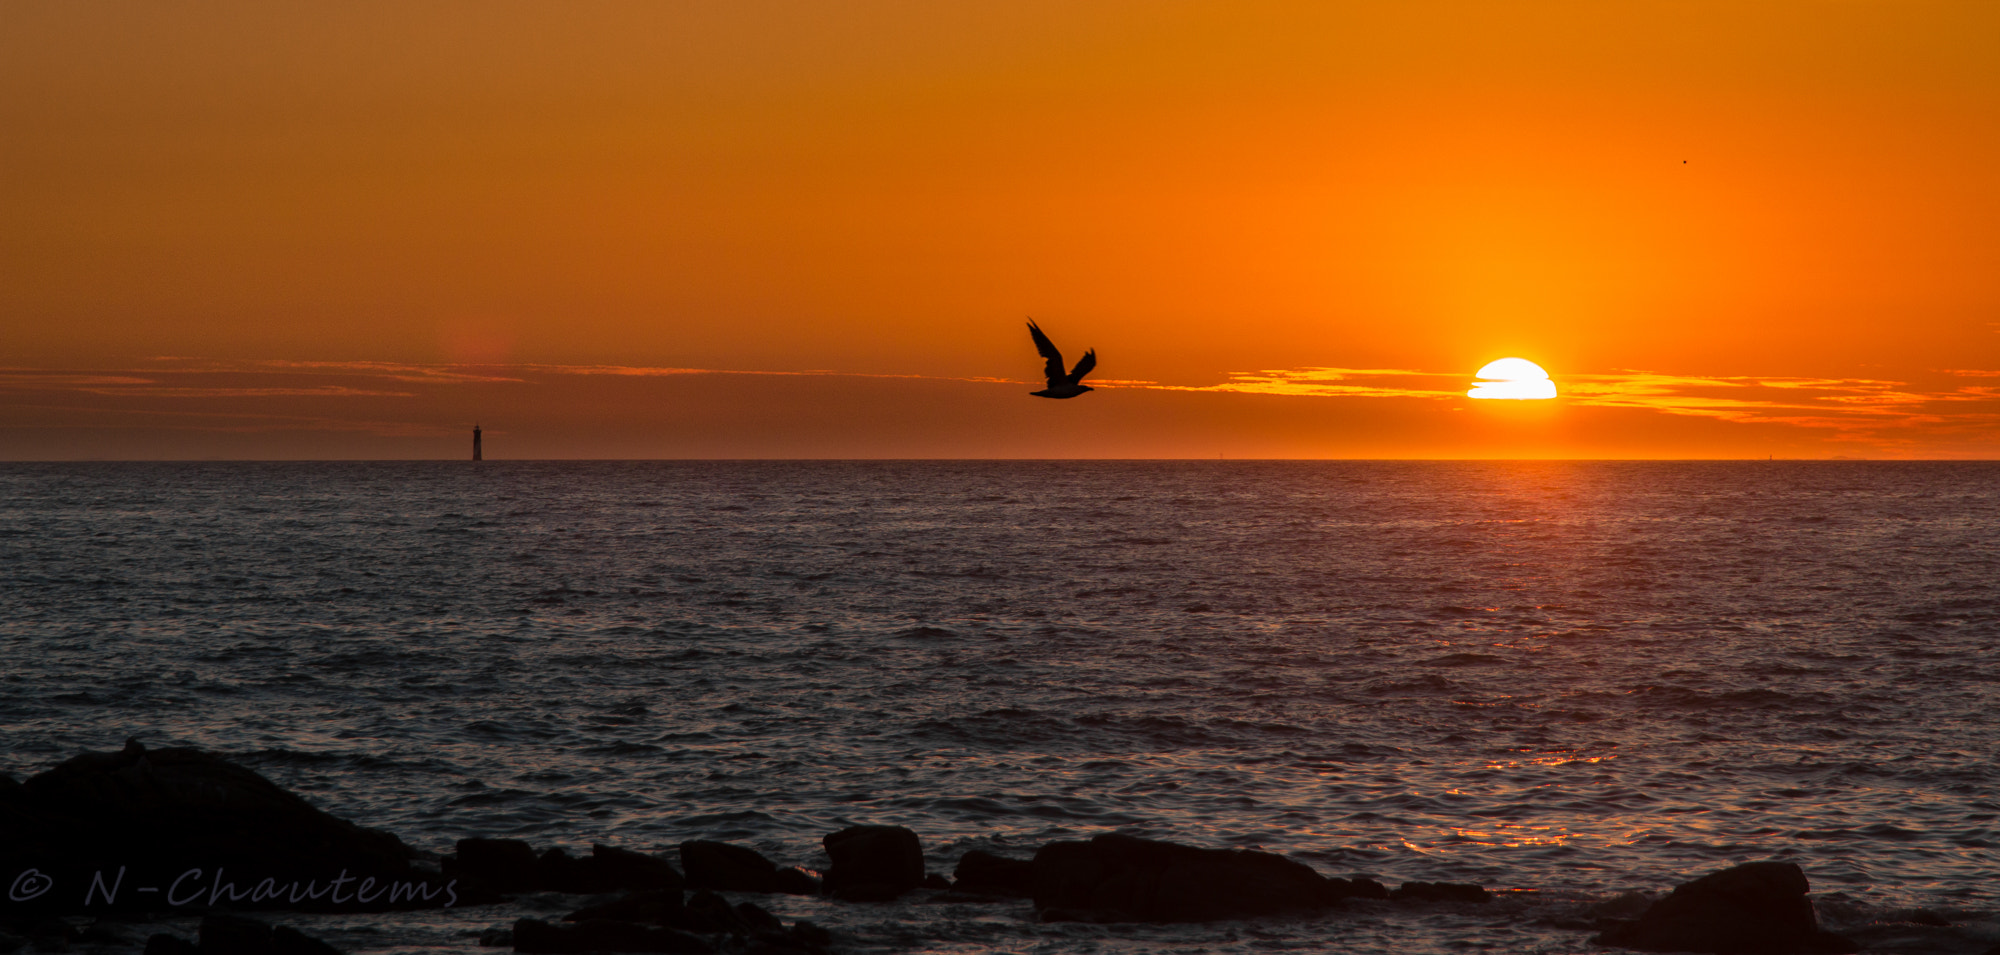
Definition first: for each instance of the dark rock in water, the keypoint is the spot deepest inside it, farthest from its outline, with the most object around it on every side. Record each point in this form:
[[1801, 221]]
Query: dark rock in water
[[1758, 908], [510, 865], [506, 865], [1356, 888], [655, 906], [1124, 878], [160, 813], [503, 864], [707, 912], [1439, 892], [603, 935], [164, 944], [728, 868], [873, 863], [793, 880], [990, 874], [558, 871], [626, 869]]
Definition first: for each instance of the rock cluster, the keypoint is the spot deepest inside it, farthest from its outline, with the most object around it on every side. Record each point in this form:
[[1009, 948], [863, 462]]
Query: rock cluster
[[149, 814], [660, 920], [1120, 878], [727, 868], [488, 867]]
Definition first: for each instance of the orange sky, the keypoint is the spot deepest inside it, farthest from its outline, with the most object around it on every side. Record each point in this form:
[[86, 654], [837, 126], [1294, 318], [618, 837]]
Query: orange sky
[[770, 229]]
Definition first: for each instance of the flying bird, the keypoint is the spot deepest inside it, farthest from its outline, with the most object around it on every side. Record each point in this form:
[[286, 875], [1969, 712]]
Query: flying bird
[[1061, 385]]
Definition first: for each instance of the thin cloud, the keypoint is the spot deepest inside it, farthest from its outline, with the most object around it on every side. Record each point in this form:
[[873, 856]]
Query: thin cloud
[[1329, 383], [1847, 406], [241, 422]]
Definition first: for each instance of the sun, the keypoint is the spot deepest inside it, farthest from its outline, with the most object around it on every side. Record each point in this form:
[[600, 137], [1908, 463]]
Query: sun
[[1516, 379]]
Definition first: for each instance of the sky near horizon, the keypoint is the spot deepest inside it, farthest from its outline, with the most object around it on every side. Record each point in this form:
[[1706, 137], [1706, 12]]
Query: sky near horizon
[[789, 229]]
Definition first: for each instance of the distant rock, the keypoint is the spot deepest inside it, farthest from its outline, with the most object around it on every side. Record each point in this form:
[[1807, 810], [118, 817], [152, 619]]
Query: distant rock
[[1758, 908], [731, 868], [1117, 877], [990, 874], [873, 863]]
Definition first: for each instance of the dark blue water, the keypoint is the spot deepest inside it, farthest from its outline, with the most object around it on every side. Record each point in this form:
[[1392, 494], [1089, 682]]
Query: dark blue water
[[1571, 679]]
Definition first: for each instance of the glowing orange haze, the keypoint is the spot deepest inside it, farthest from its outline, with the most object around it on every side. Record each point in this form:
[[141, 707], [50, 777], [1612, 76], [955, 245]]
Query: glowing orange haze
[[808, 229]]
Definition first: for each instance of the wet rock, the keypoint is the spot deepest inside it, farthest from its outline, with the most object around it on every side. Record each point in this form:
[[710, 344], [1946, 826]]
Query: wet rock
[[558, 871], [162, 812], [710, 913], [991, 874], [511, 866], [1356, 888], [1117, 877], [506, 865], [626, 869], [1439, 892], [729, 868], [1758, 908], [656, 906], [793, 880], [873, 863], [603, 935]]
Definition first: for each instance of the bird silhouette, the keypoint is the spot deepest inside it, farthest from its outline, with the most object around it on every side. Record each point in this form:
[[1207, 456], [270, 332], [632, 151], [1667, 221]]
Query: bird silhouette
[[1061, 385]]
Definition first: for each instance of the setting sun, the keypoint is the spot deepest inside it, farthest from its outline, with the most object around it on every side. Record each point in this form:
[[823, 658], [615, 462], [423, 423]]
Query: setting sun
[[1517, 379]]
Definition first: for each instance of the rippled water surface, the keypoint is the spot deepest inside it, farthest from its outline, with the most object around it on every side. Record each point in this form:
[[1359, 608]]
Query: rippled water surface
[[1572, 678]]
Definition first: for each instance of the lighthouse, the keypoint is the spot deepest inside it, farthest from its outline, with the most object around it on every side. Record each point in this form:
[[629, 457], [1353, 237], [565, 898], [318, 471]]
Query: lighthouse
[[475, 444]]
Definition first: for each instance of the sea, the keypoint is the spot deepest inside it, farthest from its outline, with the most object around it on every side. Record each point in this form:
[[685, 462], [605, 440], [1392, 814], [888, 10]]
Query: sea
[[1575, 683]]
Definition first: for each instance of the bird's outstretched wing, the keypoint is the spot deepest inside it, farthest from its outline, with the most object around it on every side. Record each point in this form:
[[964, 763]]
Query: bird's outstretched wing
[[1054, 369], [1083, 367]]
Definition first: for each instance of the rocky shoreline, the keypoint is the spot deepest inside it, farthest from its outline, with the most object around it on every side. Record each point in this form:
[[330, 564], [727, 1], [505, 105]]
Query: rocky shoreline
[[141, 831]]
